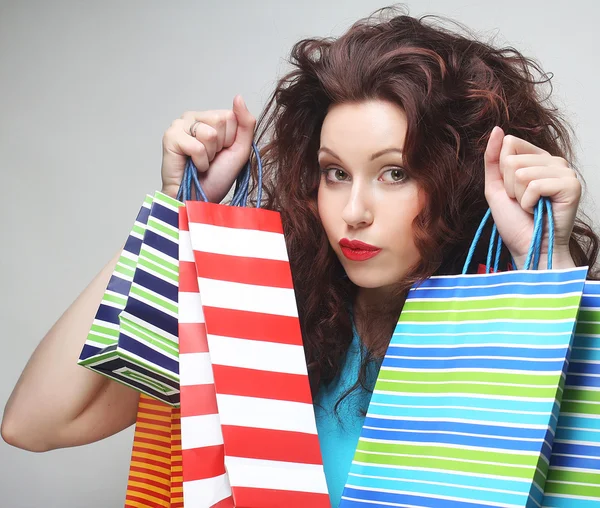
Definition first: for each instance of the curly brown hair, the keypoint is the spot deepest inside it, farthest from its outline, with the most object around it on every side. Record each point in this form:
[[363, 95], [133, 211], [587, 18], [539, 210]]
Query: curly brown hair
[[454, 89]]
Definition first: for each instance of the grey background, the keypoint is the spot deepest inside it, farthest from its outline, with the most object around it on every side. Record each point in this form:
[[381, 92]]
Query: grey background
[[87, 90]]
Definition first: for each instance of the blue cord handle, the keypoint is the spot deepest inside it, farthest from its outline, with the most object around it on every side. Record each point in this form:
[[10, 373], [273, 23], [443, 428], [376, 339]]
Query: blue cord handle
[[242, 186], [535, 248]]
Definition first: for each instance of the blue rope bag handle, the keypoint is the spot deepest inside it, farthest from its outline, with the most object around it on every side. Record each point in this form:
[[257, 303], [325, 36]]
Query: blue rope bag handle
[[535, 248], [242, 184]]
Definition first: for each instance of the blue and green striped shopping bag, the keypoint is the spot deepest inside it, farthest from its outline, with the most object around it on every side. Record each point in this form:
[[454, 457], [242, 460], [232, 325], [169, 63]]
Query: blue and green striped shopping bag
[[574, 475], [467, 399], [142, 349]]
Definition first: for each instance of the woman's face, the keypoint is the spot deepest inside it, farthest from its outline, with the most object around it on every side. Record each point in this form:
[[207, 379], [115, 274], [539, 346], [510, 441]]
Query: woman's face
[[366, 201]]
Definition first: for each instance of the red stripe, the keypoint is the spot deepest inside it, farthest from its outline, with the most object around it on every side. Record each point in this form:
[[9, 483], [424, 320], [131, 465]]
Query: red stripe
[[253, 325], [188, 279], [139, 502], [149, 462], [151, 442], [149, 493], [234, 217], [154, 472], [224, 503], [259, 272], [151, 421], [183, 219], [152, 451], [143, 411], [269, 444], [265, 498], [192, 338], [202, 463], [262, 384], [162, 433], [147, 481], [153, 402], [198, 400]]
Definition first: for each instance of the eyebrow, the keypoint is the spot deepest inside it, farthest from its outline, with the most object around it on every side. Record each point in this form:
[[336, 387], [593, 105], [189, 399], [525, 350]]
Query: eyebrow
[[373, 157]]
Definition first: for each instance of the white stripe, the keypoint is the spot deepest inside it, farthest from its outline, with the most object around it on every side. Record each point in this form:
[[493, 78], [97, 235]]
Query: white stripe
[[173, 229], [466, 395], [104, 324], [164, 200], [190, 308], [246, 297], [487, 309], [200, 431], [466, 382], [492, 297], [502, 284], [149, 326], [161, 255], [467, 408], [185, 247], [462, 321], [495, 371], [499, 274], [207, 492], [269, 474], [575, 441], [478, 333], [457, 420], [195, 369], [257, 354], [482, 357], [249, 243], [480, 344], [266, 413]]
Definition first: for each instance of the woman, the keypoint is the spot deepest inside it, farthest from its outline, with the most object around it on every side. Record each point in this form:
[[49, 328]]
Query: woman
[[382, 150]]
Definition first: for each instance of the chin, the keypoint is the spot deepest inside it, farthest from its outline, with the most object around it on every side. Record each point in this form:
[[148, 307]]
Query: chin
[[369, 279]]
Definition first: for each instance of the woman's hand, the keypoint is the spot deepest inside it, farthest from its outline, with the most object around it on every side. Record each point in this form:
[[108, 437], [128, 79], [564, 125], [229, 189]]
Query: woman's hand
[[517, 175], [220, 148]]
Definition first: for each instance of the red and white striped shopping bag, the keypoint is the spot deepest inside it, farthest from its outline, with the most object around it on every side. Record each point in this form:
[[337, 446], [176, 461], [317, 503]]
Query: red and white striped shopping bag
[[205, 482], [272, 453]]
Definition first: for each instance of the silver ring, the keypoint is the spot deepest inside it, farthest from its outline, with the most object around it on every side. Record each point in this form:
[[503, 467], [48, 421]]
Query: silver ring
[[193, 128]]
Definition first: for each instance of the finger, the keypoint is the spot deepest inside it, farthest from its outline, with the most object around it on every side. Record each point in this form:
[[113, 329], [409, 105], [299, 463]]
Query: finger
[[524, 176], [491, 158], [216, 119], [512, 146], [231, 126], [246, 124], [565, 191], [186, 145], [518, 161], [209, 137]]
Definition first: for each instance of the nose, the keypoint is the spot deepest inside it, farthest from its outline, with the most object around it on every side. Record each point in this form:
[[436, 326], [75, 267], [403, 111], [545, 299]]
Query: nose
[[358, 211]]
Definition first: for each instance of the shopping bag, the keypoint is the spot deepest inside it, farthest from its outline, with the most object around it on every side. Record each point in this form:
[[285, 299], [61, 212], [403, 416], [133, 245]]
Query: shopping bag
[[466, 402], [205, 482], [574, 475], [150, 471], [271, 448], [100, 346]]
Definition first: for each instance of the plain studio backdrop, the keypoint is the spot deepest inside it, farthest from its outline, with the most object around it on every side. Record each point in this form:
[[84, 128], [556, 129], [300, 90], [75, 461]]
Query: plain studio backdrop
[[87, 91]]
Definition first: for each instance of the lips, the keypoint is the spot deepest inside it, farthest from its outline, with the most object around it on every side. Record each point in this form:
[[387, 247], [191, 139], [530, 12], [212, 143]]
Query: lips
[[356, 250]]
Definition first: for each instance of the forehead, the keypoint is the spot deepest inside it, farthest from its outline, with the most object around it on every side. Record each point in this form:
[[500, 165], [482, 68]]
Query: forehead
[[373, 123]]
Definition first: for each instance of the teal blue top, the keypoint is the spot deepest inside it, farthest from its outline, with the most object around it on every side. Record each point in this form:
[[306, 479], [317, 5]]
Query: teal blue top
[[339, 433]]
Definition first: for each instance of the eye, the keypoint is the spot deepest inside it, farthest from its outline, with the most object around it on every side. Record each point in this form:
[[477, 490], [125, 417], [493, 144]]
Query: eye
[[394, 175], [336, 175]]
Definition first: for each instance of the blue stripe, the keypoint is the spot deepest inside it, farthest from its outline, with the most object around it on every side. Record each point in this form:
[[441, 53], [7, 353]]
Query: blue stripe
[[161, 244], [575, 381], [551, 501], [586, 342], [151, 315], [591, 287], [478, 363], [476, 328], [465, 479], [108, 314], [477, 338], [591, 422], [514, 277], [584, 368], [436, 490], [465, 428], [577, 449], [133, 245], [143, 215], [165, 214], [519, 289], [575, 462], [419, 399], [588, 354], [147, 280], [87, 351], [493, 351], [465, 414], [379, 498], [151, 356], [569, 434], [453, 439], [119, 363], [118, 285]]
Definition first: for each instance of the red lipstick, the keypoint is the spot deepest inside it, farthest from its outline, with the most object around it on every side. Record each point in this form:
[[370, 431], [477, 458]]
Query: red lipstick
[[356, 250]]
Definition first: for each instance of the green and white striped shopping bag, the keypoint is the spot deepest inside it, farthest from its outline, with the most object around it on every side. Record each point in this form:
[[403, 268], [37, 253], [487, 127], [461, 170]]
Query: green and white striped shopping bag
[[146, 352], [574, 476]]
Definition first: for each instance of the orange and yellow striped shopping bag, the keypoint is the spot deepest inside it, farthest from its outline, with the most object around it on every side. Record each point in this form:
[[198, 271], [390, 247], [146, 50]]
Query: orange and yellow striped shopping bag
[[155, 472]]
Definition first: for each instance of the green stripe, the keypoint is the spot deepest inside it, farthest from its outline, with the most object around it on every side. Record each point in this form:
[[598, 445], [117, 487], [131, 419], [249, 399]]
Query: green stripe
[[487, 315], [572, 395], [159, 261], [148, 200], [146, 335], [580, 407], [124, 270], [444, 464], [167, 231], [136, 376], [92, 337], [466, 377], [101, 357], [139, 230], [158, 301], [128, 262], [521, 303], [568, 489], [157, 269], [492, 390], [103, 329], [590, 315], [588, 328], [119, 300], [500, 458], [561, 475], [163, 198]]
